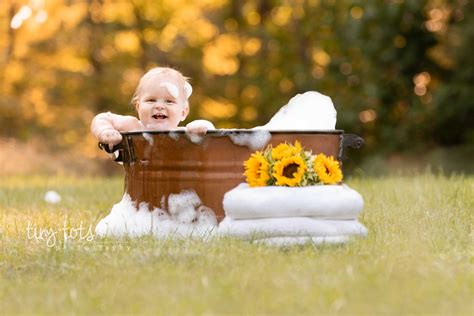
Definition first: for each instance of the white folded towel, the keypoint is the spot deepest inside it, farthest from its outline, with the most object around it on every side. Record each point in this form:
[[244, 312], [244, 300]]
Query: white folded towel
[[291, 241], [288, 227], [320, 201]]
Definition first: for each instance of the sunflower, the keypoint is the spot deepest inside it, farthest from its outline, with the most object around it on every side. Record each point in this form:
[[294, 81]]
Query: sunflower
[[289, 171], [327, 169], [286, 150], [256, 170]]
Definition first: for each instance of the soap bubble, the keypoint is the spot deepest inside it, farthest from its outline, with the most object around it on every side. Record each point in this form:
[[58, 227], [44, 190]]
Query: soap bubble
[[52, 197]]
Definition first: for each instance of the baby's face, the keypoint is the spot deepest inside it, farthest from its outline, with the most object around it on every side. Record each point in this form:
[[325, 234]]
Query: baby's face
[[162, 103]]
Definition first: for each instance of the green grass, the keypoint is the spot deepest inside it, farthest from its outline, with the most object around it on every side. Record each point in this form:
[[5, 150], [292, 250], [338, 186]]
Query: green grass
[[417, 259]]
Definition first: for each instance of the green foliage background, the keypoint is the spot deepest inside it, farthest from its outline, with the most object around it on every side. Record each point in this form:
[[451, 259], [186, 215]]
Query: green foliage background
[[399, 72]]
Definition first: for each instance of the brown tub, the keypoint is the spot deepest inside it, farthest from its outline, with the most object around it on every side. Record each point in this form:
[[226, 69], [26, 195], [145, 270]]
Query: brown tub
[[159, 163]]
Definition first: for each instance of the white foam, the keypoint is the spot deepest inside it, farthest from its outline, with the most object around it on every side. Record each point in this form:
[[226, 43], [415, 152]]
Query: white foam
[[308, 111], [177, 203], [185, 221], [206, 216], [195, 138], [255, 140], [149, 138], [172, 88], [174, 135], [188, 89]]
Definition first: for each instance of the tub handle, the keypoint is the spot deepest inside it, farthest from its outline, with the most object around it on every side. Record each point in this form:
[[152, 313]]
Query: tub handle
[[116, 152], [352, 141], [124, 152]]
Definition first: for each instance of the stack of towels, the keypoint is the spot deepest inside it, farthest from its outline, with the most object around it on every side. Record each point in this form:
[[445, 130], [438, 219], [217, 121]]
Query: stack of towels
[[292, 215]]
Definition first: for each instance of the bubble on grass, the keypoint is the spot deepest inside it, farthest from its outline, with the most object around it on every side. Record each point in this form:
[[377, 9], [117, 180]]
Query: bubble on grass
[[52, 197]]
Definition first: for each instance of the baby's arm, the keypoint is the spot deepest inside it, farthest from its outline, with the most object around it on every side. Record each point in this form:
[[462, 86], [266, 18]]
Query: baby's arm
[[199, 127], [106, 127]]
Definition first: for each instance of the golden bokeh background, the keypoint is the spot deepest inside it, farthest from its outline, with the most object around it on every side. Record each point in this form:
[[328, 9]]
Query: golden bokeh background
[[399, 72]]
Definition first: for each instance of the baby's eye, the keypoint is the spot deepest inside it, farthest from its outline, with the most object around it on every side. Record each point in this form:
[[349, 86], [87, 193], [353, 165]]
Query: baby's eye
[[169, 101], [151, 100]]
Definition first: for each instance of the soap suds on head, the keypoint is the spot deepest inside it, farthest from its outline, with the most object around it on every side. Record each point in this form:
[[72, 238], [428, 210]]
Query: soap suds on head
[[186, 218], [308, 111], [172, 88], [188, 89], [254, 140]]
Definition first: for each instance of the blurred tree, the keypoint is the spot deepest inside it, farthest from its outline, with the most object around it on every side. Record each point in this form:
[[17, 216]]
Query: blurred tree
[[451, 122], [394, 46], [399, 72]]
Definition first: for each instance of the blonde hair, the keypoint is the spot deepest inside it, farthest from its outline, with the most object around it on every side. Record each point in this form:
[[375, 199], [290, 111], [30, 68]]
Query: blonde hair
[[157, 71]]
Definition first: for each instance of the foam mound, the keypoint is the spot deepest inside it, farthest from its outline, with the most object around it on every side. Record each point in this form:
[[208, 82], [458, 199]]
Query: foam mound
[[186, 218], [308, 111]]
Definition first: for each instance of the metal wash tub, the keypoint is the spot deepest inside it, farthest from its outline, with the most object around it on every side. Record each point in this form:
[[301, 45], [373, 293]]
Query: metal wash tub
[[157, 164]]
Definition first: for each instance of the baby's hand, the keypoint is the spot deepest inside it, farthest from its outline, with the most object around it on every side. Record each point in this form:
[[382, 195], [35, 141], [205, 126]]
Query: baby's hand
[[199, 127], [111, 137]]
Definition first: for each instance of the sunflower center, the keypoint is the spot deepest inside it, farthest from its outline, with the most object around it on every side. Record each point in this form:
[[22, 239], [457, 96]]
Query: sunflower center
[[289, 170]]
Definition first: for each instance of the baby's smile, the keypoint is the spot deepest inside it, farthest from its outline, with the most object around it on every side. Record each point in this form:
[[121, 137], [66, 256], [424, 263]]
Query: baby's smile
[[159, 116]]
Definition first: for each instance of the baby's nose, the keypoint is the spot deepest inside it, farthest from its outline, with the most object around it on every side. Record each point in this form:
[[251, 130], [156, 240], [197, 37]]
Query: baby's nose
[[159, 106]]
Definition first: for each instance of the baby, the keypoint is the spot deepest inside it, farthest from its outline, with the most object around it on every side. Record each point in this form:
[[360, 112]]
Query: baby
[[161, 100]]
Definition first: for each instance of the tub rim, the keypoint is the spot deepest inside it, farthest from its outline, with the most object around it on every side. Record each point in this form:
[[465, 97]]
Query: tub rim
[[225, 132], [124, 151]]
